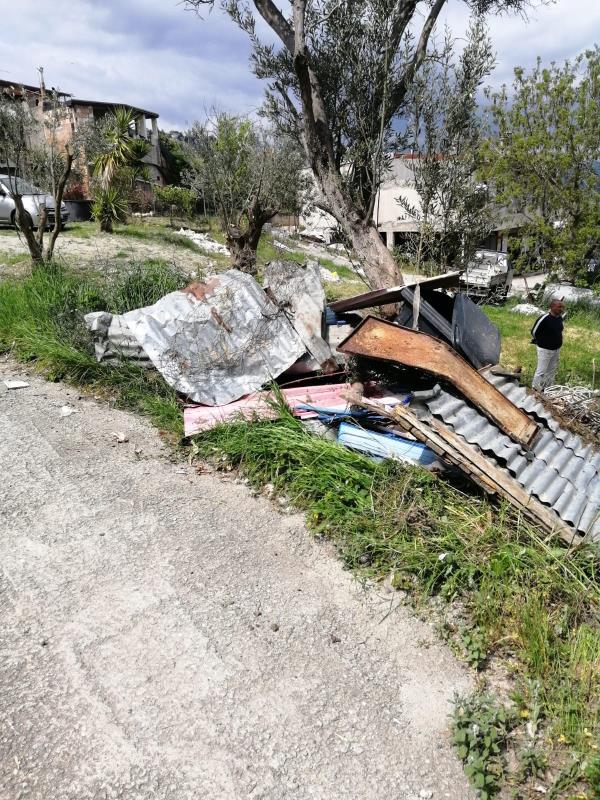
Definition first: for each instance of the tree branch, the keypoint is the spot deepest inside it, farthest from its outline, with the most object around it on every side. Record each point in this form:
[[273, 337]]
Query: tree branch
[[401, 88], [277, 22]]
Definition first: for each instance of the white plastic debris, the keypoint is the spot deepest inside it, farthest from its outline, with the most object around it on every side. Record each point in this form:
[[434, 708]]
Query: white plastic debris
[[526, 308], [281, 246], [15, 384], [204, 241], [66, 411], [572, 294], [328, 276]]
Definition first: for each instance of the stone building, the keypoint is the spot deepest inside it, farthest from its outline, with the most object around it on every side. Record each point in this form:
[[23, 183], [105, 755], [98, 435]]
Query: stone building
[[76, 113]]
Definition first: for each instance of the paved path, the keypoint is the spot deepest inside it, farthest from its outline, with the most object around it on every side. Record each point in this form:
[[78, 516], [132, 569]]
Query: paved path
[[165, 635]]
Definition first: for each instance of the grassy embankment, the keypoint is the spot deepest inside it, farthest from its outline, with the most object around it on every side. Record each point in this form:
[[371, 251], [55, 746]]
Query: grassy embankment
[[515, 599], [580, 354]]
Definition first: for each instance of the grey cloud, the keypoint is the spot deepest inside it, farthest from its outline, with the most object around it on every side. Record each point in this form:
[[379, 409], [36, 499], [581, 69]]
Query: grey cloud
[[157, 55]]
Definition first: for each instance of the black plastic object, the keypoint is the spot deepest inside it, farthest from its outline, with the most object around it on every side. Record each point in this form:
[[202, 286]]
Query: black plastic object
[[473, 334]]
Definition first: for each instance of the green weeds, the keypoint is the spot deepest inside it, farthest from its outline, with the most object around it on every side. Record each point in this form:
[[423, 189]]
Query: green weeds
[[529, 603], [41, 321], [481, 728]]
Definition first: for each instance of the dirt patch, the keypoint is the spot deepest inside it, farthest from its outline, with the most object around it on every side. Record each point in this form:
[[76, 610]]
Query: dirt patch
[[104, 249]]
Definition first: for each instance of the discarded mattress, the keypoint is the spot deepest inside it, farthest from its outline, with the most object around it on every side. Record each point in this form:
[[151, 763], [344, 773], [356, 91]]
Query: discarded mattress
[[385, 445]]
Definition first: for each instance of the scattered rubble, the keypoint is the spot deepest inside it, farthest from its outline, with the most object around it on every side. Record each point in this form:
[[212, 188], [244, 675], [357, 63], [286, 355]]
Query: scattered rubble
[[222, 341], [526, 308], [15, 384], [577, 402], [204, 241], [572, 294]]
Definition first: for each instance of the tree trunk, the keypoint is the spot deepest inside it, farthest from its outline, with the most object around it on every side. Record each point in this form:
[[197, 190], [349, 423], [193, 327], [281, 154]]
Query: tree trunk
[[24, 222], [377, 260], [243, 254], [244, 244], [58, 198]]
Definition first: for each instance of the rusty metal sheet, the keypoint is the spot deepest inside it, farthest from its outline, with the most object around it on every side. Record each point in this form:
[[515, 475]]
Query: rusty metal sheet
[[376, 338]]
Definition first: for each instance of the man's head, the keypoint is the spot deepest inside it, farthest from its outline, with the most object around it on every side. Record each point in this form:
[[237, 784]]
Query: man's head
[[556, 308]]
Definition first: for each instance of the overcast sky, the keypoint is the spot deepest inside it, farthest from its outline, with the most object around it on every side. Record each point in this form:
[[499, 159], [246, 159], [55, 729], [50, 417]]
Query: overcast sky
[[157, 55]]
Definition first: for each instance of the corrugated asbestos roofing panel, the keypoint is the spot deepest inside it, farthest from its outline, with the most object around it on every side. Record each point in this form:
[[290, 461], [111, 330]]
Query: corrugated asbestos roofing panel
[[559, 470]]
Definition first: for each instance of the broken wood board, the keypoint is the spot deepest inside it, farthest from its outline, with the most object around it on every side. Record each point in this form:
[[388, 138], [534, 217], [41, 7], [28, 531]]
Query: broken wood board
[[491, 478], [394, 295], [376, 338]]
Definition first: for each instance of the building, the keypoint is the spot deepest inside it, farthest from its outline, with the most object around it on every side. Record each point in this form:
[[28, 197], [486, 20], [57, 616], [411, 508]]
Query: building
[[77, 113], [395, 223]]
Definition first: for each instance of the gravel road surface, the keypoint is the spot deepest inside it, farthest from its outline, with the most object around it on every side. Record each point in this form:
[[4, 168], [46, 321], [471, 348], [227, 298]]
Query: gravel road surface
[[166, 635]]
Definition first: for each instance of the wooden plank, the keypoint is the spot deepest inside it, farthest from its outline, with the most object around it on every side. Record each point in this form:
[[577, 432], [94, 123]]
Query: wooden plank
[[476, 466], [381, 297], [377, 338]]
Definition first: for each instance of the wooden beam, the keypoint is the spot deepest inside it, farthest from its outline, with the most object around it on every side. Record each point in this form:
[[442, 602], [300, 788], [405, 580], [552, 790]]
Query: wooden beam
[[377, 338], [476, 466]]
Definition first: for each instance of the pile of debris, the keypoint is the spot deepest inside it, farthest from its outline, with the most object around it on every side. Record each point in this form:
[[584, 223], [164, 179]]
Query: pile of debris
[[444, 403]]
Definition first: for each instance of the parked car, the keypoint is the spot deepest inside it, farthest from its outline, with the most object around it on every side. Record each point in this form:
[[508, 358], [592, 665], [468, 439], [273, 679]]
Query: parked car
[[33, 201], [488, 276]]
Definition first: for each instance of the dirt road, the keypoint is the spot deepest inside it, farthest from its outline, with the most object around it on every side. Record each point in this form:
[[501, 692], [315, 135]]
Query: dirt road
[[166, 635]]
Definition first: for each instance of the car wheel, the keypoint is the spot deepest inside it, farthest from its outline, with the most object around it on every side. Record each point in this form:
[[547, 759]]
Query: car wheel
[[15, 222]]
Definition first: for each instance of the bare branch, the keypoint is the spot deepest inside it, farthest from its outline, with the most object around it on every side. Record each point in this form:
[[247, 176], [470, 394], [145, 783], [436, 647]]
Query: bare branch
[[276, 21], [403, 84]]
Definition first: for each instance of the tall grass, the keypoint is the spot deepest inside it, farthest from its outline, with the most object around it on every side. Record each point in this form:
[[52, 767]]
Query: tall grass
[[41, 321]]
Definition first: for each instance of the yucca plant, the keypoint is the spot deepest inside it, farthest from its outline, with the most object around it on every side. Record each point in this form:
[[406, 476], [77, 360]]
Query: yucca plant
[[116, 168], [109, 206]]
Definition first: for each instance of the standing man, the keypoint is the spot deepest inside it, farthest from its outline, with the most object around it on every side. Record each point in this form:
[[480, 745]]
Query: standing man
[[547, 334]]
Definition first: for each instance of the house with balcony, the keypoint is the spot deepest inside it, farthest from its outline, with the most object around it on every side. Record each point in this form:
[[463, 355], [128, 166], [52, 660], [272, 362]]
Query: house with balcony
[[76, 114]]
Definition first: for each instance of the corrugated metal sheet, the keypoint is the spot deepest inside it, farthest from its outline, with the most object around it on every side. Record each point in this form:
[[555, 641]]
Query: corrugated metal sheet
[[560, 470]]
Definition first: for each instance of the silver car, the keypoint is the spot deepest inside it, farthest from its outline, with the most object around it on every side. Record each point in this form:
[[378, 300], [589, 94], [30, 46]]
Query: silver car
[[34, 200]]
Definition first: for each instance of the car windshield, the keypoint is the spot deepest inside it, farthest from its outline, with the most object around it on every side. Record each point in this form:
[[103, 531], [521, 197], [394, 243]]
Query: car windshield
[[22, 187]]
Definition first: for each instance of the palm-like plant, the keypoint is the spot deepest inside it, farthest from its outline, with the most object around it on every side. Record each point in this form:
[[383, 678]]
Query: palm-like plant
[[117, 167]]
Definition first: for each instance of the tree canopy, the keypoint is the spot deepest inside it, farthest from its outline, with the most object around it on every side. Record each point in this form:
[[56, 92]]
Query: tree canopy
[[338, 79], [543, 160]]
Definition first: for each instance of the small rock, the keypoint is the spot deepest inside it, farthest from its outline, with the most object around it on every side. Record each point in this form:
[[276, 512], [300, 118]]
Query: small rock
[[44, 643], [275, 626], [335, 639], [120, 437], [426, 794]]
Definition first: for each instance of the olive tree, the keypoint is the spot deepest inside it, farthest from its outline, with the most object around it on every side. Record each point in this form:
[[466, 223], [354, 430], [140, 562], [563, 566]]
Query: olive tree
[[247, 174], [30, 148], [445, 132], [338, 78]]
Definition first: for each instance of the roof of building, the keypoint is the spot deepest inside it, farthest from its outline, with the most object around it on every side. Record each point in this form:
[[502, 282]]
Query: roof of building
[[17, 86], [110, 106]]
